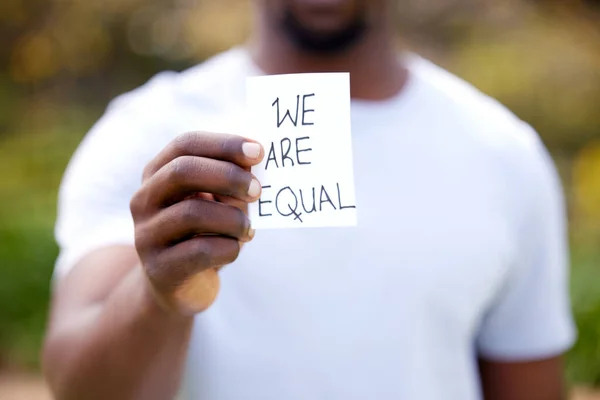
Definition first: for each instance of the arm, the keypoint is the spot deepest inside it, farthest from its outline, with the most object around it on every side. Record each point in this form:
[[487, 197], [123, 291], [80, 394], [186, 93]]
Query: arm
[[533, 380], [108, 338], [529, 325], [121, 319]]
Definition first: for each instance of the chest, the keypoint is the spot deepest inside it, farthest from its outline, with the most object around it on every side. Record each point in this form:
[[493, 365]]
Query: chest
[[433, 236], [432, 243]]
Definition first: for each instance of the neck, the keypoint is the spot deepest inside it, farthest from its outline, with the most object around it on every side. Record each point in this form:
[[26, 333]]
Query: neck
[[373, 63]]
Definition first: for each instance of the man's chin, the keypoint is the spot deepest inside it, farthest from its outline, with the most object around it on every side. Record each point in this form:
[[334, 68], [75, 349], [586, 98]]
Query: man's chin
[[321, 37]]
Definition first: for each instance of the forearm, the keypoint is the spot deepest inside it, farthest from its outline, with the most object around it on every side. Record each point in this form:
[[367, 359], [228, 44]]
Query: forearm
[[524, 380], [126, 347]]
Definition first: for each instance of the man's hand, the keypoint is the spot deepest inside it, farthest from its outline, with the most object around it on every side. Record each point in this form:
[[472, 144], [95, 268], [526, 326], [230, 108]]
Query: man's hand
[[190, 215], [108, 337]]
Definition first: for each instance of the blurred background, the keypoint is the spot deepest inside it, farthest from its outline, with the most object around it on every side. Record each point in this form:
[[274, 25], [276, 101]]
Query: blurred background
[[61, 61]]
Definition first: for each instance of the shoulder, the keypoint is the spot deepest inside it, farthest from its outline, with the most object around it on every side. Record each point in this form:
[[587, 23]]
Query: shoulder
[[489, 137], [479, 122]]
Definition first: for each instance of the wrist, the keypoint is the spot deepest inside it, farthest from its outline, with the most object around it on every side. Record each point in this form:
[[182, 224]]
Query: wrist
[[156, 302], [192, 297]]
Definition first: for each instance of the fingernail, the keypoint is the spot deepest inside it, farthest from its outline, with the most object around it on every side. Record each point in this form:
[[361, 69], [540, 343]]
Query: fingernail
[[251, 150], [254, 189], [249, 234]]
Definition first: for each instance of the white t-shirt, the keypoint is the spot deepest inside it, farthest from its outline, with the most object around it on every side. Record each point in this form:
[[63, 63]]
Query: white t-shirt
[[460, 249]]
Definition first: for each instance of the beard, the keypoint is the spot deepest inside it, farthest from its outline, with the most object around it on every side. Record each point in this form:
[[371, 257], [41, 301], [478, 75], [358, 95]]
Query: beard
[[333, 42]]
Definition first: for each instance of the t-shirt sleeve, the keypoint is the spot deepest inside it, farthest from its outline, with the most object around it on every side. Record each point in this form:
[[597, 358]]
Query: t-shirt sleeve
[[531, 317], [103, 174]]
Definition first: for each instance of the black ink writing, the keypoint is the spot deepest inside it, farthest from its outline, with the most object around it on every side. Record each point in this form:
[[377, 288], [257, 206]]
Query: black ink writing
[[298, 151], [278, 154], [261, 202], [296, 215], [280, 121], [280, 196], [327, 199], [288, 112], [314, 203], [284, 153], [305, 110], [340, 199], [287, 203], [271, 157]]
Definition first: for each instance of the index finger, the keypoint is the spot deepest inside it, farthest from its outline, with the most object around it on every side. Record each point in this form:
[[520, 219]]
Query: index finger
[[219, 146]]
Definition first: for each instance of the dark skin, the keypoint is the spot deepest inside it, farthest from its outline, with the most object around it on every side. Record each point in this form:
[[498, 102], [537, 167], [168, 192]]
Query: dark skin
[[121, 319]]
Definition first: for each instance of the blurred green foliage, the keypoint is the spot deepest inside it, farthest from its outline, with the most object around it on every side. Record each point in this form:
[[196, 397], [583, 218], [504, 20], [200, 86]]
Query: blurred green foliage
[[583, 362], [60, 62], [31, 166]]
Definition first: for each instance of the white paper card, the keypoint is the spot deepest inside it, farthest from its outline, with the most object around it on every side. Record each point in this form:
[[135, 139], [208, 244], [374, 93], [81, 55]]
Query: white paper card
[[303, 122]]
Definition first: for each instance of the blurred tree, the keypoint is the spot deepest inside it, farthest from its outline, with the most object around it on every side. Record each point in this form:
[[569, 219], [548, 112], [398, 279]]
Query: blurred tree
[[62, 61]]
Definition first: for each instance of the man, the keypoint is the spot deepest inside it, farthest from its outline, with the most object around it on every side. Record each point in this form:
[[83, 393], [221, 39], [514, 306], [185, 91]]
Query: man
[[452, 286]]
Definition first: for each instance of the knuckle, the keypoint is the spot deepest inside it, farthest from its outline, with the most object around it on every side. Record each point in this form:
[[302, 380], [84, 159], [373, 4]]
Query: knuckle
[[136, 204], [189, 210], [140, 202], [144, 240], [139, 236], [148, 171], [241, 221], [183, 143], [148, 257], [162, 270], [231, 145], [236, 179], [179, 168], [141, 243], [203, 254], [155, 272]]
